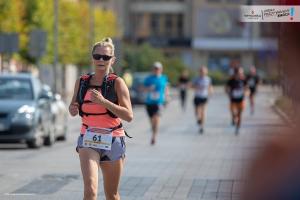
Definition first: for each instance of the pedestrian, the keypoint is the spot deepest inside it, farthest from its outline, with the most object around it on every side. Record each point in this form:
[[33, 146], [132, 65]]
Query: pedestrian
[[253, 81], [202, 86], [237, 89], [102, 100], [183, 84], [156, 86]]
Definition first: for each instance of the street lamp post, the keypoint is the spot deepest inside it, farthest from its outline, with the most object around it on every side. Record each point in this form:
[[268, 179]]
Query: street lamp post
[[92, 28], [249, 2], [55, 43]]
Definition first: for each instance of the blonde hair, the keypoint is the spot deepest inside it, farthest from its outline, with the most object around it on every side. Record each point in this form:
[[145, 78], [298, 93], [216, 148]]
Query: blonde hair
[[105, 42]]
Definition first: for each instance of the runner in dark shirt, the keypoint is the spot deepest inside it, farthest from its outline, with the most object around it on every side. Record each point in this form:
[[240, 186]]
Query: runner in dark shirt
[[183, 83], [253, 81], [236, 88]]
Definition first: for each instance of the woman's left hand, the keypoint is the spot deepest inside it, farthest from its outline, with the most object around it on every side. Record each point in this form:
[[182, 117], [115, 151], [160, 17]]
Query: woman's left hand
[[96, 97]]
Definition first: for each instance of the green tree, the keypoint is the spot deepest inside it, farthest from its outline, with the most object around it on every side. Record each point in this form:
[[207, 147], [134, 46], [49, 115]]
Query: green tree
[[141, 58], [173, 68], [36, 14], [10, 20], [105, 24], [23, 16]]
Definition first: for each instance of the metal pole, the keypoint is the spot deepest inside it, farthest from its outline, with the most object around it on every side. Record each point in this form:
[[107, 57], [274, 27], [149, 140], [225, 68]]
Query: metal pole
[[1, 62], [92, 29], [55, 43], [249, 2]]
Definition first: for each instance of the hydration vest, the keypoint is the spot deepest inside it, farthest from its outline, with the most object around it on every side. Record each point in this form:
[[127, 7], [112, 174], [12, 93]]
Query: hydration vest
[[107, 91]]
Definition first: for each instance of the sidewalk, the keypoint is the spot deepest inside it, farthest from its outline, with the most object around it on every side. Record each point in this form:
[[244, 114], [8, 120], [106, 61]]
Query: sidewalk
[[186, 165], [183, 165]]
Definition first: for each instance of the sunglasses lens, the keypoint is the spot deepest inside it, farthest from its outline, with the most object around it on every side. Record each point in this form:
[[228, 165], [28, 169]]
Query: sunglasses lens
[[96, 56], [106, 58], [103, 57]]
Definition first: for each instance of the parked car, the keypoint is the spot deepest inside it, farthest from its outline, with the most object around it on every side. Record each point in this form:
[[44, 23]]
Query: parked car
[[137, 94], [59, 115], [25, 111]]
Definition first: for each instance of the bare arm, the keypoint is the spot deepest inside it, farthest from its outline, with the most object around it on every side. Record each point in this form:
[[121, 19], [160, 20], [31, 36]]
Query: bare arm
[[167, 94], [211, 89], [192, 85], [124, 109], [73, 107], [246, 90], [227, 89]]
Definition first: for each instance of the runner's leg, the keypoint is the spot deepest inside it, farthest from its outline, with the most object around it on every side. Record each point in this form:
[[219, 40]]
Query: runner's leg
[[183, 99], [252, 103], [240, 108], [201, 116], [111, 177], [155, 123], [89, 162], [232, 111]]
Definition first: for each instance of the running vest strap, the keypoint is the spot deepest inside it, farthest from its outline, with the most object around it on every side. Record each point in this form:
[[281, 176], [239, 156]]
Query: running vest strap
[[112, 128], [107, 90]]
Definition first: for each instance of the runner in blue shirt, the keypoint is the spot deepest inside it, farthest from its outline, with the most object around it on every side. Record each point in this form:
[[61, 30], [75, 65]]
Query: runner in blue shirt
[[156, 86]]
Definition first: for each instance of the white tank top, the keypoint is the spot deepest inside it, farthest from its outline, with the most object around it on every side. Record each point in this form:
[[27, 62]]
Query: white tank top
[[201, 85]]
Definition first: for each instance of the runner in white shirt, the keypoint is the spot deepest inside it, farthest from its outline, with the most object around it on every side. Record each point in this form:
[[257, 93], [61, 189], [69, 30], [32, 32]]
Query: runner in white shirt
[[203, 88]]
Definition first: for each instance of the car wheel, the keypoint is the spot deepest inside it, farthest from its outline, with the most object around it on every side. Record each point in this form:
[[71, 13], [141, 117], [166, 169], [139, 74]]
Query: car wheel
[[50, 139], [39, 140], [36, 143], [63, 137]]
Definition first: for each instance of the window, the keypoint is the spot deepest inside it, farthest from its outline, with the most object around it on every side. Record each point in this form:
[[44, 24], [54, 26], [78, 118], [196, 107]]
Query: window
[[180, 25], [168, 21], [155, 24], [15, 89]]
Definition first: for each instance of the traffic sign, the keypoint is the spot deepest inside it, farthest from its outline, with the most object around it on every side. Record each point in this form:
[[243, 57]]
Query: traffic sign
[[37, 43]]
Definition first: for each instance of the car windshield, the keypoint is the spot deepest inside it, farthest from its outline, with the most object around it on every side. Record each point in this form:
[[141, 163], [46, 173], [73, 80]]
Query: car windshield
[[15, 89]]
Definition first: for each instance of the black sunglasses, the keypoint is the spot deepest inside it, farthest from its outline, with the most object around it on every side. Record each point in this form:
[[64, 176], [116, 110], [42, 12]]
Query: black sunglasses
[[99, 56]]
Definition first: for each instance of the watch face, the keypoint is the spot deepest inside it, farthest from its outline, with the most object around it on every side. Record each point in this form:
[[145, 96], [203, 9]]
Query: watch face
[[220, 22]]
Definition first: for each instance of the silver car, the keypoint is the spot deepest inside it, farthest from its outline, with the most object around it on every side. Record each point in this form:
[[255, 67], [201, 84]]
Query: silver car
[[25, 111], [59, 115]]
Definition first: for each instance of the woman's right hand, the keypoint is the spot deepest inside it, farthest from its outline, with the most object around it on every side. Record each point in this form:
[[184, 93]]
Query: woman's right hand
[[73, 108]]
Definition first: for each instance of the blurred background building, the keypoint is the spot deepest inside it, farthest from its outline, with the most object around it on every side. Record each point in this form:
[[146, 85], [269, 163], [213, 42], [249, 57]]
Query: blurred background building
[[200, 32], [197, 32]]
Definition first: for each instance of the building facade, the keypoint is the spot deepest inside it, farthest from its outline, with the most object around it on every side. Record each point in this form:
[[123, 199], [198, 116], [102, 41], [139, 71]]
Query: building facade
[[201, 32], [221, 41]]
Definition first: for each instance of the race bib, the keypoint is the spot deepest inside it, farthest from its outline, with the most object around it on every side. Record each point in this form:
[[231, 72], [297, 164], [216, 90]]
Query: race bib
[[154, 95], [237, 93], [100, 138]]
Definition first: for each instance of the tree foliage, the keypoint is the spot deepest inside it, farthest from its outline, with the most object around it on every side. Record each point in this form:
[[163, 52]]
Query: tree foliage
[[141, 58], [23, 16], [10, 20]]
